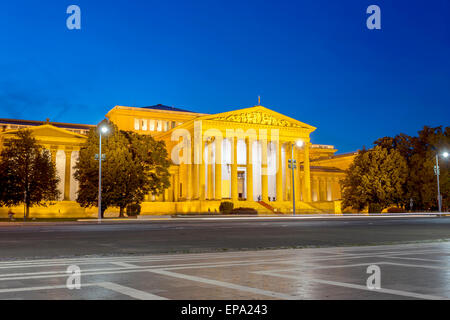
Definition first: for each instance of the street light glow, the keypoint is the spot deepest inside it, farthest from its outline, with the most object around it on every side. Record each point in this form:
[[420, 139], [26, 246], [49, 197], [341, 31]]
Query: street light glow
[[299, 143], [104, 129], [445, 154]]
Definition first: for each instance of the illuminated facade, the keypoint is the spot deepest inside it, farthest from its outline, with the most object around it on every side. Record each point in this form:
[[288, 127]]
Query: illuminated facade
[[240, 156]]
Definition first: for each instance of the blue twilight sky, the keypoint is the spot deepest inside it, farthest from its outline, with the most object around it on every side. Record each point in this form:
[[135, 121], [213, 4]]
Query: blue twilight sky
[[312, 60]]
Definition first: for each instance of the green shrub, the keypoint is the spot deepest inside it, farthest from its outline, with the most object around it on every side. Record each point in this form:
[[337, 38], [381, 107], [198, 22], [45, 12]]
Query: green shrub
[[133, 210], [244, 211], [226, 207], [395, 210], [375, 208]]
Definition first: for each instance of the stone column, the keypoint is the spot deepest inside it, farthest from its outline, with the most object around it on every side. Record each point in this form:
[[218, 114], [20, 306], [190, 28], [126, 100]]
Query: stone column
[[68, 174], [176, 186], [190, 174], [338, 189], [195, 181], [218, 169], [316, 187], [307, 175], [53, 151], [322, 187], [166, 195], [279, 177], [210, 172], [249, 145], [264, 172], [202, 177], [234, 179]]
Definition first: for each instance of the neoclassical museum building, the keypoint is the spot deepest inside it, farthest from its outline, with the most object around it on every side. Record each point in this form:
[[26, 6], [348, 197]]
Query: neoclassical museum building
[[244, 156]]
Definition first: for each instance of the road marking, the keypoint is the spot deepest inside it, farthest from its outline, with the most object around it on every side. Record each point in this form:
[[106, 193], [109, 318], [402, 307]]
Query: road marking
[[124, 264], [64, 262], [382, 290], [176, 257], [225, 285], [315, 267], [418, 259], [134, 293], [41, 288], [360, 287], [101, 271]]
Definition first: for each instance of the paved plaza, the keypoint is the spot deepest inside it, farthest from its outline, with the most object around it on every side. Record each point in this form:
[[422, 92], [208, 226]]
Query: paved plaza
[[408, 271]]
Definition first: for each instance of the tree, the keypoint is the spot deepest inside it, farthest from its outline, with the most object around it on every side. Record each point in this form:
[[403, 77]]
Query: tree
[[419, 153], [134, 166], [422, 185], [376, 176], [27, 173]]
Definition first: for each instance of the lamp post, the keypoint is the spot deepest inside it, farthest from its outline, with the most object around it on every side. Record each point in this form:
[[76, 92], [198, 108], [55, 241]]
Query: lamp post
[[292, 166], [103, 129], [437, 172]]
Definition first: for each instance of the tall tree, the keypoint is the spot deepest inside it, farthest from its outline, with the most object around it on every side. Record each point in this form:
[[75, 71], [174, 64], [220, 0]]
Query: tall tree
[[134, 166], [376, 176], [27, 173], [420, 152]]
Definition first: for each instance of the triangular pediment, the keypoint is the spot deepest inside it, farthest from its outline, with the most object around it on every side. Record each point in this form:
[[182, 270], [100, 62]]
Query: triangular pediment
[[47, 130], [258, 115]]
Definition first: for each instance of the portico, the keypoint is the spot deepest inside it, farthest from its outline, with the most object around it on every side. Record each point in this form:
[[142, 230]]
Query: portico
[[241, 156]]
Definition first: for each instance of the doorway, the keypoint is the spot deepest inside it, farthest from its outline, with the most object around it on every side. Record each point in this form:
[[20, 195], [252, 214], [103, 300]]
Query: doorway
[[241, 185]]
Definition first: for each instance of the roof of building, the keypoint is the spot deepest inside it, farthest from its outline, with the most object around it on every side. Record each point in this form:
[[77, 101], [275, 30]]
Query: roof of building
[[167, 108], [325, 169], [39, 123]]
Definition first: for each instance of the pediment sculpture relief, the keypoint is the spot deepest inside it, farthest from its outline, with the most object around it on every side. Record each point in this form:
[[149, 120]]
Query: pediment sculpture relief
[[258, 118]]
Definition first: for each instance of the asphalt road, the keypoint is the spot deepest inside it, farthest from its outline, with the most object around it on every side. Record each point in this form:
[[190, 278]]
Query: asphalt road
[[404, 271], [31, 241]]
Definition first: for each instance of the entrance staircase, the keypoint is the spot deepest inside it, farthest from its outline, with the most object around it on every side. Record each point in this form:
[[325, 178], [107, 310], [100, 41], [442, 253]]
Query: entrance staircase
[[284, 207], [267, 206]]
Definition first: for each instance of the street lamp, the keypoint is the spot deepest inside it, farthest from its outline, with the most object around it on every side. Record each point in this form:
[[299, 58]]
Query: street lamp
[[103, 129], [292, 166], [437, 172]]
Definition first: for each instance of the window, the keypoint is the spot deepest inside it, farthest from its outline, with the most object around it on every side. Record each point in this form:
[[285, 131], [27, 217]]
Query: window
[[159, 125], [152, 125], [166, 125], [136, 124], [173, 124]]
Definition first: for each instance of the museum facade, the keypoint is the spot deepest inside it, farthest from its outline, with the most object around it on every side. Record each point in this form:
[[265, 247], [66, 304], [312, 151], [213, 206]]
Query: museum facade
[[255, 157]]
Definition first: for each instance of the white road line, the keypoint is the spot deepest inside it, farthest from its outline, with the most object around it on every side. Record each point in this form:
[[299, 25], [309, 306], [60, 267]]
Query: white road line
[[304, 267], [314, 267], [382, 290], [337, 250], [134, 293], [42, 288], [101, 271], [271, 294], [186, 257], [418, 259], [360, 287], [63, 262], [124, 264], [124, 260]]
